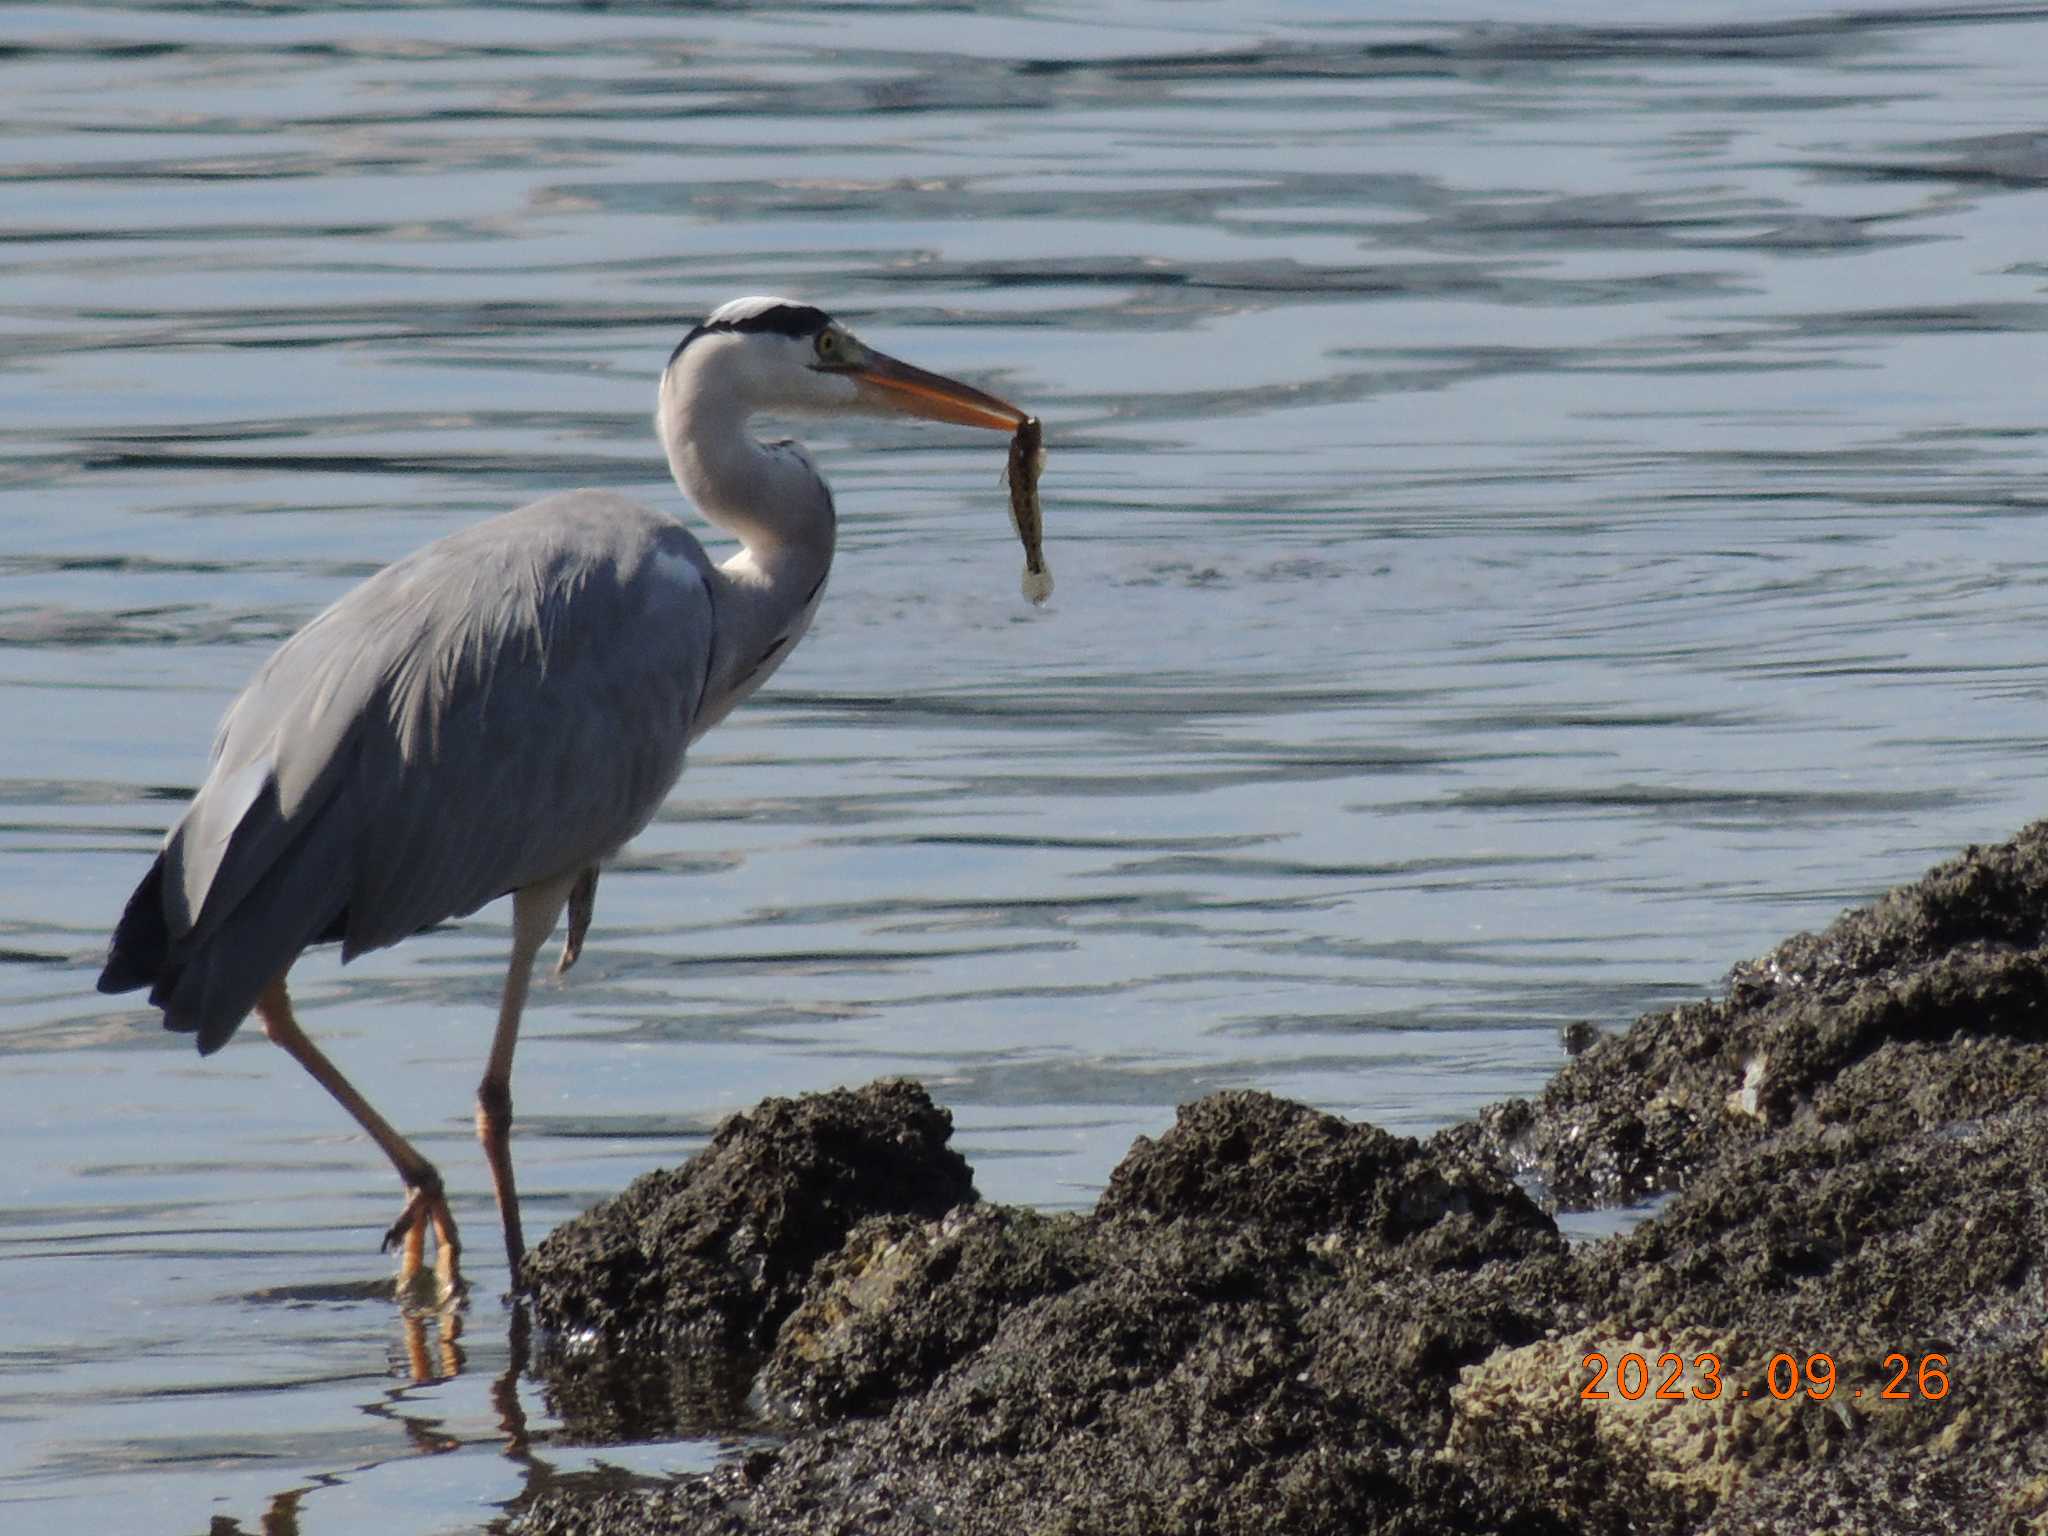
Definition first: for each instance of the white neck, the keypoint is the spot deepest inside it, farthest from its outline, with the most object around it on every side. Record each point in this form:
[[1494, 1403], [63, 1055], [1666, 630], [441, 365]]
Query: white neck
[[768, 496]]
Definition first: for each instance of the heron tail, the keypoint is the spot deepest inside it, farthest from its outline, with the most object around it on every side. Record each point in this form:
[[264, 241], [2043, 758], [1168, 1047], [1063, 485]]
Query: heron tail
[[142, 954], [141, 948], [281, 892]]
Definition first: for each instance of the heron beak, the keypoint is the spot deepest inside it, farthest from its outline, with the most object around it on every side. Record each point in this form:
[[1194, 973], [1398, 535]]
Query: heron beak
[[894, 386]]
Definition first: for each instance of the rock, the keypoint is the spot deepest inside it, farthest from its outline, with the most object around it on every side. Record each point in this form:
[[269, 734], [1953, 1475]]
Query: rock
[[1249, 1161], [903, 1300], [719, 1250], [1960, 951], [1274, 1320]]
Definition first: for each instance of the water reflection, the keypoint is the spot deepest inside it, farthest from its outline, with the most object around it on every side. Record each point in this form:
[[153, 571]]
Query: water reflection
[[433, 1353], [433, 1349]]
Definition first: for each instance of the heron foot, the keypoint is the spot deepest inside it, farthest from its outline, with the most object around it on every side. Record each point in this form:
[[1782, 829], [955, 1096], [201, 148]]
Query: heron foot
[[426, 1210]]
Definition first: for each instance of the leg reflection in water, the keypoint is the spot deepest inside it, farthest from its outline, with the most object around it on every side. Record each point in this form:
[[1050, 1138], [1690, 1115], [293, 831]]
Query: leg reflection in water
[[445, 1358]]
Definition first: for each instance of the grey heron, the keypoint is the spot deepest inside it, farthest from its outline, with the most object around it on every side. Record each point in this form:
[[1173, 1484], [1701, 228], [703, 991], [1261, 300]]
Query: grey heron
[[498, 713]]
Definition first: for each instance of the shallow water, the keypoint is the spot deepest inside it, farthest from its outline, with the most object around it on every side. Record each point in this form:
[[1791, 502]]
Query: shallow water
[[1542, 509]]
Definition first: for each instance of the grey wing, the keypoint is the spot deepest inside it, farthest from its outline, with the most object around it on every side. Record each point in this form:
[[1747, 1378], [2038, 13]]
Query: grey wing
[[506, 705]]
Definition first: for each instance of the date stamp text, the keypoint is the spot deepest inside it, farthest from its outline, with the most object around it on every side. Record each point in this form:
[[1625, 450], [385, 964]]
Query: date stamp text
[[1632, 1376]]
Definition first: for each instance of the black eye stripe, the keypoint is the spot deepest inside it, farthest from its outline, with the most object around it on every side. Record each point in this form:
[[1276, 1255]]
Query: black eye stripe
[[782, 319]]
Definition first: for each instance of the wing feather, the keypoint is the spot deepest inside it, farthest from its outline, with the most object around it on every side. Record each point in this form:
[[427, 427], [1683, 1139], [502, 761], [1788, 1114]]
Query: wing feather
[[507, 704]]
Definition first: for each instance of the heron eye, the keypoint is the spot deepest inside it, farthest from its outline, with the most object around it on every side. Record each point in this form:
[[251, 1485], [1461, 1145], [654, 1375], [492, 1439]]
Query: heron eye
[[828, 344]]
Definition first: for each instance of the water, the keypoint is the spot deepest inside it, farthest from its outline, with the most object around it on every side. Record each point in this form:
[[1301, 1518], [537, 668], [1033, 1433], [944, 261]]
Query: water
[[1542, 509]]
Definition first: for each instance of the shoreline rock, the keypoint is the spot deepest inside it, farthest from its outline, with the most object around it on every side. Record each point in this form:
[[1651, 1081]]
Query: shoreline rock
[[1278, 1321]]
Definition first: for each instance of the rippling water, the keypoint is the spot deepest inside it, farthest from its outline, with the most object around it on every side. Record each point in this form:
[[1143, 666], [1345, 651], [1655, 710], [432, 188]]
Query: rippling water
[[1543, 508]]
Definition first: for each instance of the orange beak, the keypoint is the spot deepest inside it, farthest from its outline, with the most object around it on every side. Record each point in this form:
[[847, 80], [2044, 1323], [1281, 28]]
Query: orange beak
[[899, 387]]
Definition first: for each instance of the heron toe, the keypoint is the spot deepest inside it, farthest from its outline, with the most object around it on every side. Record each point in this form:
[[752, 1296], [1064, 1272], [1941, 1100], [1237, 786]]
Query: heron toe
[[427, 1209]]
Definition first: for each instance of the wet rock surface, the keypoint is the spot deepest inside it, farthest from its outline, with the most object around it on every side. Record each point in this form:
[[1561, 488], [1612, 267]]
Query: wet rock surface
[[654, 1308], [1960, 952], [1275, 1320]]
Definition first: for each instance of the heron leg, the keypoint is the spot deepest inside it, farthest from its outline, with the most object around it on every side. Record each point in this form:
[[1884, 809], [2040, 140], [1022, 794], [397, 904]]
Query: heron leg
[[427, 1204], [535, 911]]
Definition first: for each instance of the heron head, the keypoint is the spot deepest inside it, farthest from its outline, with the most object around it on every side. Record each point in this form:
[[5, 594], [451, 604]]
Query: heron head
[[777, 354]]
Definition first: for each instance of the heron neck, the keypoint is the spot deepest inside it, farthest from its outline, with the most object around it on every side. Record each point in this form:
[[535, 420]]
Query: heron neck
[[763, 610], [769, 497], [764, 494]]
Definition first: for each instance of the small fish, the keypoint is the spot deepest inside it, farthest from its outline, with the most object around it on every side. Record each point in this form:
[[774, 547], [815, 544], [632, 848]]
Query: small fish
[[1027, 461]]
